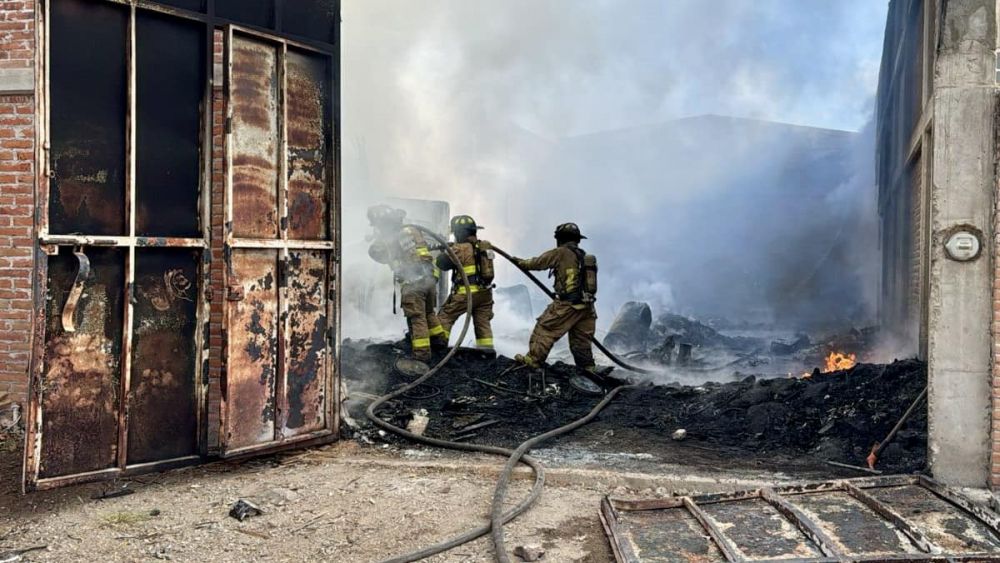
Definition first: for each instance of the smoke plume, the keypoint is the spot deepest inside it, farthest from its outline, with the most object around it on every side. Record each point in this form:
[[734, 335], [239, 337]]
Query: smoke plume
[[527, 113]]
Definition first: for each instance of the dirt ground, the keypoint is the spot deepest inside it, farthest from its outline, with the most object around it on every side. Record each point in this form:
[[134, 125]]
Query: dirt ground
[[344, 502]]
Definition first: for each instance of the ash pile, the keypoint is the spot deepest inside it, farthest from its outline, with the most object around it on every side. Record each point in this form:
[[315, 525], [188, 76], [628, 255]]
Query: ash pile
[[834, 416]]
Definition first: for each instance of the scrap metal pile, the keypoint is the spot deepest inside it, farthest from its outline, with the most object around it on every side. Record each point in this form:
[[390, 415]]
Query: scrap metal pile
[[835, 416]]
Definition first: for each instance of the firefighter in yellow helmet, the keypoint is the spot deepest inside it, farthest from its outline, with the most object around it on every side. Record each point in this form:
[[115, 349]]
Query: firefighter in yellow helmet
[[573, 311], [404, 249], [476, 257]]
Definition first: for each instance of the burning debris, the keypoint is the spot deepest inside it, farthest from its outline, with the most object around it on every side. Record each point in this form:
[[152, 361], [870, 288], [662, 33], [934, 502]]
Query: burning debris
[[691, 346], [829, 416]]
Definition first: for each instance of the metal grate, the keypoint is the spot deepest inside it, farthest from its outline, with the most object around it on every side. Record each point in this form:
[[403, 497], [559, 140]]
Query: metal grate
[[898, 518]]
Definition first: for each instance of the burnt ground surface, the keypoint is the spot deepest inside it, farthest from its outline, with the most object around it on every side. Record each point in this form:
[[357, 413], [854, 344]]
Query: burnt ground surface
[[791, 425]]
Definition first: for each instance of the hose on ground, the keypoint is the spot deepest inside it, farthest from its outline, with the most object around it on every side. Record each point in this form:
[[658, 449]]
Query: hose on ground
[[370, 412], [500, 492], [618, 361], [498, 518]]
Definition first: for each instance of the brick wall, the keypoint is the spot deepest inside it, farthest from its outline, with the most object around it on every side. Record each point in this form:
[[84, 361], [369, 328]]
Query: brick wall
[[215, 342], [17, 29]]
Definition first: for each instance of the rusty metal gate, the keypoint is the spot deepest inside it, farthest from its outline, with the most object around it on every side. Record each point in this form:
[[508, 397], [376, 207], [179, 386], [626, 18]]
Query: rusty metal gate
[[280, 242], [119, 366], [900, 518]]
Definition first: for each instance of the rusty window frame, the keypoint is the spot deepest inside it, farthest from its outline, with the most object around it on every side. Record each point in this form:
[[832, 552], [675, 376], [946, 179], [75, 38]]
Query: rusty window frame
[[49, 245], [329, 245]]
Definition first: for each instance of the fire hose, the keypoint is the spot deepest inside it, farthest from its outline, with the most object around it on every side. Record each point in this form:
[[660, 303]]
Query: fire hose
[[497, 515], [618, 361]]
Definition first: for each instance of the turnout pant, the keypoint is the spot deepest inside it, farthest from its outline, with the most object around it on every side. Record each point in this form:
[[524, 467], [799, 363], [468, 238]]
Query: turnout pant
[[482, 314], [558, 319], [419, 301]]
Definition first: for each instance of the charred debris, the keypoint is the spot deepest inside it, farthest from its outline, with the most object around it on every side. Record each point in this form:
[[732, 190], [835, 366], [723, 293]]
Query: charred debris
[[750, 404]]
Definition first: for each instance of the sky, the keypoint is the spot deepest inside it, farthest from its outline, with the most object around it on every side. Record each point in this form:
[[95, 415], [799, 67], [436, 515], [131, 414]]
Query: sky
[[462, 100]]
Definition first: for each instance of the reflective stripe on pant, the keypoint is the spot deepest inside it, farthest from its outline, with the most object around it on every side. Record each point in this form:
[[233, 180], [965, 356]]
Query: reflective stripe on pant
[[418, 301], [482, 314], [558, 319]]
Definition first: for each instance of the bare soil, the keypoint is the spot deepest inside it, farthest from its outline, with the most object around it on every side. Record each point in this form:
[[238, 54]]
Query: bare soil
[[340, 503]]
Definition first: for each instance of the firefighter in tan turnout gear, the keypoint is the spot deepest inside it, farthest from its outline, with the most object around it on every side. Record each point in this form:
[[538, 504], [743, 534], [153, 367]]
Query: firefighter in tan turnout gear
[[476, 257], [573, 311], [405, 251]]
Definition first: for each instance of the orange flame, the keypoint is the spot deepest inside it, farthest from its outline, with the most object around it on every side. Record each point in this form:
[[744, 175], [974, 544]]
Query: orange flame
[[838, 361]]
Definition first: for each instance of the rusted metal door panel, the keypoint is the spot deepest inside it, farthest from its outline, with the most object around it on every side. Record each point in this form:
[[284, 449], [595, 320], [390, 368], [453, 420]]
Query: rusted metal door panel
[[169, 118], [252, 355], [280, 368], [163, 408], [308, 154], [117, 359], [88, 114], [906, 518], [254, 140], [82, 369], [307, 360]]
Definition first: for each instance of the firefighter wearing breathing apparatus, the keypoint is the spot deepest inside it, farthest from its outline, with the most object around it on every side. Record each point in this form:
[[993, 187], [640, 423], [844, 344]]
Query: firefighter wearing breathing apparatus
[[405, 251], [476, 257], [573, 311]]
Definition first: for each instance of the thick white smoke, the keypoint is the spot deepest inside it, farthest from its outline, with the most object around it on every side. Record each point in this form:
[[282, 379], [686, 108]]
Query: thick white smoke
[[528, 113]]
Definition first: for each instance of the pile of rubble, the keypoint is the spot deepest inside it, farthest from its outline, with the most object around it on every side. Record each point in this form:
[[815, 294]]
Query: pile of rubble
[[681, 342], [827, 416]]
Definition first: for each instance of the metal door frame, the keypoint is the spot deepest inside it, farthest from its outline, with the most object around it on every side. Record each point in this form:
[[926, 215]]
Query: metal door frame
[[283, 245], [48, 244]]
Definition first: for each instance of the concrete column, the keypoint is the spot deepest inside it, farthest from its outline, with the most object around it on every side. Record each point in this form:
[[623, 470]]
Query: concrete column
[[962, 196]]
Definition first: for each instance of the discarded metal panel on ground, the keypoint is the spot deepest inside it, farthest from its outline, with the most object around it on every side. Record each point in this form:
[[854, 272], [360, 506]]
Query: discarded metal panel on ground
[[870, 519]]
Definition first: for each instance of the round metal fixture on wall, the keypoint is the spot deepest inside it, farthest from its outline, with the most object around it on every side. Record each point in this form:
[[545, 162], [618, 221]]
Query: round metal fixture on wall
[[963, 245]]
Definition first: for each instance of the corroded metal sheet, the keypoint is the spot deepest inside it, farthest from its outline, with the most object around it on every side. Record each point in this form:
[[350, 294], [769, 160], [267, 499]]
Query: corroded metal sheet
[[252, 348], [943, 523], [759, 531], [171, 79], [163, 413], [82, 372], [255, 138], [668, 537], [309, 127], [854, 528], [898, 518], [306, 357], [88, 89]]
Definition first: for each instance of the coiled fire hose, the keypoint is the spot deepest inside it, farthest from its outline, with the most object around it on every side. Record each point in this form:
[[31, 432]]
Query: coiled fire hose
[[497, 516]]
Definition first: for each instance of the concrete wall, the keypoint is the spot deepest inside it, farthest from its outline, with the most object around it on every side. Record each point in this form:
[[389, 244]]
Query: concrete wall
[[962, 191]]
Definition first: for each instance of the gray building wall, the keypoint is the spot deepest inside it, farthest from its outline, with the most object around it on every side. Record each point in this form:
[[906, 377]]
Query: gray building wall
[[937, 174]]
